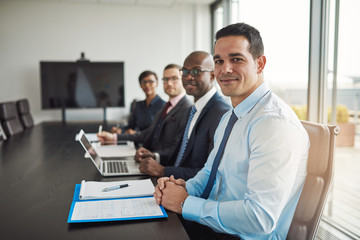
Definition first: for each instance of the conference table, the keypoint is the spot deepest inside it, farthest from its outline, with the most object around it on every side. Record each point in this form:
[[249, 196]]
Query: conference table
[[39, 168]]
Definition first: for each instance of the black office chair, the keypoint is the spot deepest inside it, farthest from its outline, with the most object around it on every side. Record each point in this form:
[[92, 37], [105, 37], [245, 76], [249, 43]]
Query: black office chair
[[2, 134], [9, 118], [23, 109], [319, 176]]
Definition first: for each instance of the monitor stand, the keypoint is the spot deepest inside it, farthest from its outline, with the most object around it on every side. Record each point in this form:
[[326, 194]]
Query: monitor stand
[[104, 115], [63, 115]]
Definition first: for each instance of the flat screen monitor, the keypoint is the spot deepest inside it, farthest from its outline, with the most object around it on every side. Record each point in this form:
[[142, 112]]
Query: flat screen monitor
[[82, 84]]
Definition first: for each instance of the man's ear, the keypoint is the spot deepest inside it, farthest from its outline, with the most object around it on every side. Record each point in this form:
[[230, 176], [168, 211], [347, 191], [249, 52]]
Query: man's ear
[[261, 61], [212, 76]]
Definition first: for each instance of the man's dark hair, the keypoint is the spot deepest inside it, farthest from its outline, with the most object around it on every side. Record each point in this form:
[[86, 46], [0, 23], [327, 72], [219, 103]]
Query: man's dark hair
[[250, 33], [146, 73], [172, 65]]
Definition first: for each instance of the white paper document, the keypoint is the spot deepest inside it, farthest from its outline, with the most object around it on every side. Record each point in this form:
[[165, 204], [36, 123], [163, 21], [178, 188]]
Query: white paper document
[[136, 188], [91, 136], [116, 209]]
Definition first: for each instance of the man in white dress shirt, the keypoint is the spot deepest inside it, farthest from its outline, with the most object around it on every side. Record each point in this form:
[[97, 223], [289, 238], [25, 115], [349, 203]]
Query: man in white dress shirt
[[259, 166]]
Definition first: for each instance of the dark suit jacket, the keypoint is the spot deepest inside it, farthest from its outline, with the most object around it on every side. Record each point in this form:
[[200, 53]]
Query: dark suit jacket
[[201, 140], [170, 134]]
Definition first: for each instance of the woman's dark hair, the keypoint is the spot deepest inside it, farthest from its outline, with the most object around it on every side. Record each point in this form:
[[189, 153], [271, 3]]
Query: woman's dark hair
[[146, 73]]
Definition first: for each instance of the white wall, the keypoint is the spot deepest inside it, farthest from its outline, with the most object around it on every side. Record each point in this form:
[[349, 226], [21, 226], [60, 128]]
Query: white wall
[[144, 37]]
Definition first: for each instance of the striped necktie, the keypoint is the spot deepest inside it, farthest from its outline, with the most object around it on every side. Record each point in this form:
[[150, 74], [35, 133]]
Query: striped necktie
[[218, 156], [185, 137]]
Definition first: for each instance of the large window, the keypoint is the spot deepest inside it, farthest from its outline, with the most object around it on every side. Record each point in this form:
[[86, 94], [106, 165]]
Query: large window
[[343, 102], [286, 39]]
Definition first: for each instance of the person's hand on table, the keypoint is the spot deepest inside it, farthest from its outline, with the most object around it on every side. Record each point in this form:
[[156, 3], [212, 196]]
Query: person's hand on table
[[143, 153], [162, 184], [105, 137], [171, 193], [130, 131], [116, 130], [151, 167]]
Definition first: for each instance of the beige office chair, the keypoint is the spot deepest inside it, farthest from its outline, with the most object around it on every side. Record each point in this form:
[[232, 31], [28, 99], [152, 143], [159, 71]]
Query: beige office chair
[[319, 176]]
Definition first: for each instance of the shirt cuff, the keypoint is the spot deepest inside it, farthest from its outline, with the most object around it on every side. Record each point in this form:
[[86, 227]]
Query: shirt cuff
[[157, 157], [192, 207]]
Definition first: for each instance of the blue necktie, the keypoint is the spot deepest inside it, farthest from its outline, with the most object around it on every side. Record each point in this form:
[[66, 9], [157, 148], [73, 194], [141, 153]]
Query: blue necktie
[[185, 137], [218, 156]]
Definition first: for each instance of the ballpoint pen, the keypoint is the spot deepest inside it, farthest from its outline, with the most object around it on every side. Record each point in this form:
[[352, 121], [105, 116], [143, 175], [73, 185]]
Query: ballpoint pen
[[100, 129], [115, 187]]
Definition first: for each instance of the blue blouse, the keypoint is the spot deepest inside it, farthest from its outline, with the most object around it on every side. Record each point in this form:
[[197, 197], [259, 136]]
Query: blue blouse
[[142, 116]]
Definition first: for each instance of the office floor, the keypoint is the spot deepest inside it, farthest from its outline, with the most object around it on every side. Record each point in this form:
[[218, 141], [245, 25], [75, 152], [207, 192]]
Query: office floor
[[343, 206]]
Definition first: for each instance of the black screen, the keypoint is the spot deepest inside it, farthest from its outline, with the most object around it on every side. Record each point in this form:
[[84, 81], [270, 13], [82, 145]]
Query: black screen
[[82, 84]]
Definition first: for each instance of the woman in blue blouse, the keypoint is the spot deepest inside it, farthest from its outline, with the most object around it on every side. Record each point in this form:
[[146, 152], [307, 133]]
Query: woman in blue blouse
[[142, 112]]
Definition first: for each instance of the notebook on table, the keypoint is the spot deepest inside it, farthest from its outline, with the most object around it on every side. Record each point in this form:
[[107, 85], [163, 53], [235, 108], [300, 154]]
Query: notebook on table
[[134, 188], [115, 167], [92, 204]]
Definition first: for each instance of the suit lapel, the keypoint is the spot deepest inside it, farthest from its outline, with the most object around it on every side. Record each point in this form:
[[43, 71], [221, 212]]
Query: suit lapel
[[190, 142], [172, 112]]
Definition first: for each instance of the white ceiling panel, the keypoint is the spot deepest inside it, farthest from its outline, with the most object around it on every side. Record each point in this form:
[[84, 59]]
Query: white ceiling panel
[[138, 2]]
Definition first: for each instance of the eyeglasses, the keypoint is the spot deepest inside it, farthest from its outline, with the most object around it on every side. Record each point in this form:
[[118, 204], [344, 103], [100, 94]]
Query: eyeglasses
[[173, 79], [144, 82], [193, 72]]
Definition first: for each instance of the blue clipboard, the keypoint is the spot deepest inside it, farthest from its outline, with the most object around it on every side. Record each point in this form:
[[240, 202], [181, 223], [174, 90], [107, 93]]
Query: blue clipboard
[[76, 199]]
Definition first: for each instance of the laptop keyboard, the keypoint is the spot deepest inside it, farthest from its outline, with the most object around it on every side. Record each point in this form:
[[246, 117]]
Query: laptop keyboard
[[117, 167]]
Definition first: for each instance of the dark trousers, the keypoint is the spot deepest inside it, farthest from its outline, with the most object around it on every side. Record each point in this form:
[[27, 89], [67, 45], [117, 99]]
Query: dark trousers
[[198, 231]]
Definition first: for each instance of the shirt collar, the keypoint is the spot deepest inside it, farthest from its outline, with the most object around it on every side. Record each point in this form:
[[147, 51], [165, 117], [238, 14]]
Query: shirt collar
[[156, 98], [176, 99], [201, 102], [245, 106]]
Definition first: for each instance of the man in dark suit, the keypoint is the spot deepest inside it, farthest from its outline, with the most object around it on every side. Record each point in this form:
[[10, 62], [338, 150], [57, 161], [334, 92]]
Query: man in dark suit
[[197, 139], [164, 134]]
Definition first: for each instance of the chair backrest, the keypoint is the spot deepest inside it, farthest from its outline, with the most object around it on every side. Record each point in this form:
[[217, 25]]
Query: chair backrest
[[23, 109], [9, 118], [319, 176], [2, 133]]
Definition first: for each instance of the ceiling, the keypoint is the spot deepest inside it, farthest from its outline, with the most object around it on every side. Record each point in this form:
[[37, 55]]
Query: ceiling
[[165, 3]]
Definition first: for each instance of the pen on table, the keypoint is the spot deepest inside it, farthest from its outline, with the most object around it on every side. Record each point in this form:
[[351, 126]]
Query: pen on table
[[100, 129], [115, 187]]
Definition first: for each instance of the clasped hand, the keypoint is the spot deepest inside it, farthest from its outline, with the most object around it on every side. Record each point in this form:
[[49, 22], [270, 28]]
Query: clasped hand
[[171, 193]]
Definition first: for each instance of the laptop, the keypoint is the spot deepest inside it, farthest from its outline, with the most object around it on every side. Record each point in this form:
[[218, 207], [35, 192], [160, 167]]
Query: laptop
[[118, 167]]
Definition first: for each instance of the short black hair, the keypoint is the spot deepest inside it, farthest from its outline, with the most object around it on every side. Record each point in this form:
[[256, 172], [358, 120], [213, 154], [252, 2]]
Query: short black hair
[[172, 65], [146, 73], [250, 33]]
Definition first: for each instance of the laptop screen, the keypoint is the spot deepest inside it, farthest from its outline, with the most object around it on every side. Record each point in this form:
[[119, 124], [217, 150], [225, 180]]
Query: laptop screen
[[90, 149]]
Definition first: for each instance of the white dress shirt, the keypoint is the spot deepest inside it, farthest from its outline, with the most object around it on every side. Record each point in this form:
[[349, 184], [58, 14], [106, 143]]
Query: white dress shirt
[[261, 174]]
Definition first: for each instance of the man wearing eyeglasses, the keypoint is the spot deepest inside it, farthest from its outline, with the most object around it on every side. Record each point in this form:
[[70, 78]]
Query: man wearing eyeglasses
[[165, 133], [203, 119]]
